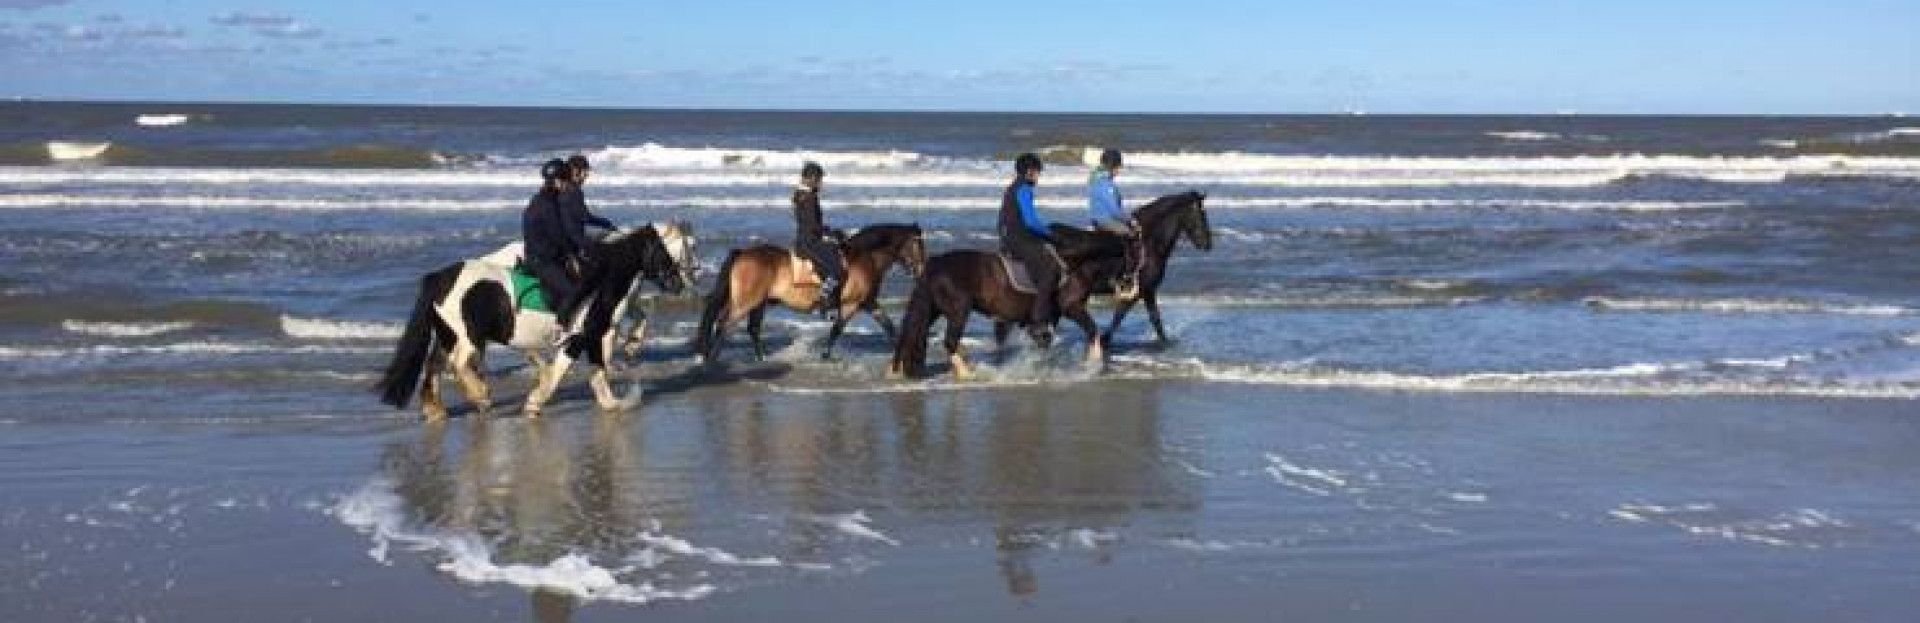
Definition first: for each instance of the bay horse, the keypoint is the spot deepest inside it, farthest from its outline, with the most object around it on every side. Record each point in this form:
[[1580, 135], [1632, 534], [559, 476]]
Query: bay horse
[[1162, 222], [752, 278], [463, 307], [958, 283]]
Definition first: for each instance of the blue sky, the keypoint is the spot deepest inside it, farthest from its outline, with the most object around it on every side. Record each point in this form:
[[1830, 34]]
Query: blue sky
[[1624, 56]]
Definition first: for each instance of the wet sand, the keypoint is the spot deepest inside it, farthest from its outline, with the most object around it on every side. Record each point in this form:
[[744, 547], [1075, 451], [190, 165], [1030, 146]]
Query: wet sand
[[743, 497]]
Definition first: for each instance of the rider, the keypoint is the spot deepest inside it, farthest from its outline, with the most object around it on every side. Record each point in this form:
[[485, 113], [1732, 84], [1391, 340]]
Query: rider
[[1024, 236], [556, 245], [1103, 197], [576, 201], [576, 217], [815, 241]]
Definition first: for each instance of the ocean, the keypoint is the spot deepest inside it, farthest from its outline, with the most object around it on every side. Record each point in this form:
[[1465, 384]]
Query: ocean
[[1652, 366]]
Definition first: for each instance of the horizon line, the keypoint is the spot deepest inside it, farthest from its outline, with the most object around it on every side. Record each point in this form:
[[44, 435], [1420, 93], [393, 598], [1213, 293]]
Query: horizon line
[[1352, 112]]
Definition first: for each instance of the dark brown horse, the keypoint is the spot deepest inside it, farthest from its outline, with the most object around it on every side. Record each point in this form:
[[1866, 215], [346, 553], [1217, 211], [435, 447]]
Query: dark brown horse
[[958, 283], [753, 277], [1162, 223]]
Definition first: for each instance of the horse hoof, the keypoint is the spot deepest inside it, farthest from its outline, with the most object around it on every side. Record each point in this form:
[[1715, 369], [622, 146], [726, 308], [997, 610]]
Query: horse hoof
[[437, 415], [531, 412]]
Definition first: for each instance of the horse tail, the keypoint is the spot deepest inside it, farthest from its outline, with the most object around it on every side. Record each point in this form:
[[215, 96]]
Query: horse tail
[[910, 353], [716, 301], [416, 343]]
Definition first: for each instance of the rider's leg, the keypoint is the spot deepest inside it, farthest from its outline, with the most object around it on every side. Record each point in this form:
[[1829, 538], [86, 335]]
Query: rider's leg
[[1041, 267]]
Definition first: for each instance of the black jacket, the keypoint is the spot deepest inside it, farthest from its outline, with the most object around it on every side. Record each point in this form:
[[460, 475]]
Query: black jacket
[[574, 202], [552, 234], [807, 220]]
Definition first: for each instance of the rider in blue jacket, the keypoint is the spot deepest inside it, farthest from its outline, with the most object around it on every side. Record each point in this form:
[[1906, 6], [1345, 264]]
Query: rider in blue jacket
[[1025, 237], [1104, 206]]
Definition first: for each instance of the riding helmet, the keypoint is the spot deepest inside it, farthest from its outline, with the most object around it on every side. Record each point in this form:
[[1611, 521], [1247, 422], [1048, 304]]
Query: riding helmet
[[812, 169], [1110, 158], [555, 169]]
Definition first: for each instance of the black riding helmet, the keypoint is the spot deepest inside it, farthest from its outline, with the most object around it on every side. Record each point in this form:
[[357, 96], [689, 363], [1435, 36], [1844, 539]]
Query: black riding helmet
[[1110, 158], [555, 169], [812, 169], [579, 163], [1027, 162]]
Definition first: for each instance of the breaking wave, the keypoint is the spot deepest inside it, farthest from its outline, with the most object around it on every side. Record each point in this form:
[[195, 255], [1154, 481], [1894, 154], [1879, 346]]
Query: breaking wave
[[1742, 306], [124, 329], [324, 329]]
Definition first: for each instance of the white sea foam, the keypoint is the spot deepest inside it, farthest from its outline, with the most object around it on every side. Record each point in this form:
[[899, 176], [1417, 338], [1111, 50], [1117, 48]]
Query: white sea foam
[[1743, 306], [1311, 480], [375, 510], [1804, 527], [161, 119], [657, 156], [1525, 135], [1332, 301], [325, 329], [854, 523], [183, 348], [662, 543], [73, 150], [1650, 379], [220, 202], [1204, 169], [125, 329]]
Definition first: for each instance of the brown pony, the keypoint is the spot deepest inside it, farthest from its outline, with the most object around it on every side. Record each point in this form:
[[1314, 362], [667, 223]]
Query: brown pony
[[753, 277], [960, 282]]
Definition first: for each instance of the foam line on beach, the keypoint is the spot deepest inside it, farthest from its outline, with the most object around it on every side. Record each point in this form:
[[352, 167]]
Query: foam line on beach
[[375, 510]]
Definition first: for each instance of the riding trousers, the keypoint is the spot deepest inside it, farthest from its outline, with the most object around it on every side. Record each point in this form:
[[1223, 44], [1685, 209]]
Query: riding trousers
[[824, 254], [1041, 266]]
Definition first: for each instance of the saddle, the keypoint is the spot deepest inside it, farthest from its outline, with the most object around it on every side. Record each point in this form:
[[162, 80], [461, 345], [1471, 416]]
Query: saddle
[[1022, 281], [802, 268], [527, 293]]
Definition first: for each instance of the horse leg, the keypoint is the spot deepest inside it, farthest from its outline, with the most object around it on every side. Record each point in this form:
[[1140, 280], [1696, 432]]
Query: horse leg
[[539, 365], [1120, 310], [957, 354], [548, 382], [1153, 314], [463, 361], [431, 405], [886, 322], [1096, 352], [753, 332], [603, 389], [636, 338], [833, 335], [1001, 330]]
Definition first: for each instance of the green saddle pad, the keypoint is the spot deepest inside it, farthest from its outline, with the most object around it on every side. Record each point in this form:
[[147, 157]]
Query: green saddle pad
[[527, 293]]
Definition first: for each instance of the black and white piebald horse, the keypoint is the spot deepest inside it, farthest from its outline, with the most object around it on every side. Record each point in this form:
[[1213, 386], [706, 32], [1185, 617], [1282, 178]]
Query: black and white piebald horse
[[464, 306]]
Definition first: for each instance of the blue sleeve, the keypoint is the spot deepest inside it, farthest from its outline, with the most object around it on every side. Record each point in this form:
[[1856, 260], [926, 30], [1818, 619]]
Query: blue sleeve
[[1104, 201], [599, 221], [1028, 215]]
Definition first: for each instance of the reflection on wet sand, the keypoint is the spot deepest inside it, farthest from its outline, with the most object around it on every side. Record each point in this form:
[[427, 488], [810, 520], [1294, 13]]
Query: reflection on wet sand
[[1033, 470]]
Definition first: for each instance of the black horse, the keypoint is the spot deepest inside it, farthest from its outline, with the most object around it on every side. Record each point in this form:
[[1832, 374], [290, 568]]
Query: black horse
[[1162, 222], [957, 283]]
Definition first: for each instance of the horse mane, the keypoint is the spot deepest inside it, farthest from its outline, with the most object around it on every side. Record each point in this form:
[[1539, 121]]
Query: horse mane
[[1162, 207], [875, 237]]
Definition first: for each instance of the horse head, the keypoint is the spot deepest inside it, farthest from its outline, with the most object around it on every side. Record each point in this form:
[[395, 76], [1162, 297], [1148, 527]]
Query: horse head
[[1193, 221], [914, 252], [649, 251], [678, 239]]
